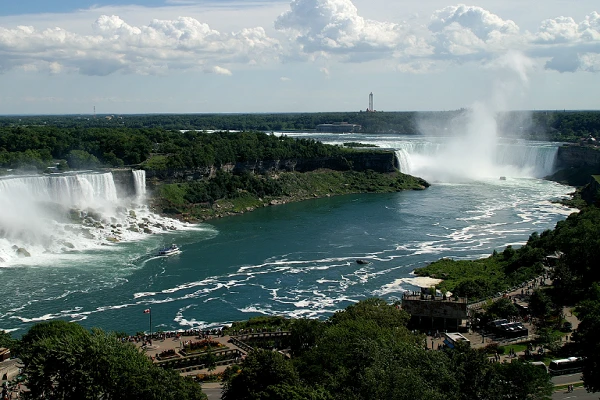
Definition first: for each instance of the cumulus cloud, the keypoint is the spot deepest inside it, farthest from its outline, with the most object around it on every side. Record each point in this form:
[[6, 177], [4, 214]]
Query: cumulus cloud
[[334, 27], [324, 31], [570, 46], [566, 30], [162, 45], [467, 30]]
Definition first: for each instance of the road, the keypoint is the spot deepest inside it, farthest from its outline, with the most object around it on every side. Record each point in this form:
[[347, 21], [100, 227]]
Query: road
[[578, 393], [566, 379], [212, 390]]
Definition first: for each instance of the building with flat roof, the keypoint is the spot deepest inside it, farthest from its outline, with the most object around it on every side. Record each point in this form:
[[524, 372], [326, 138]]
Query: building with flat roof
[[339, 127], [452, 338], [431, 311]]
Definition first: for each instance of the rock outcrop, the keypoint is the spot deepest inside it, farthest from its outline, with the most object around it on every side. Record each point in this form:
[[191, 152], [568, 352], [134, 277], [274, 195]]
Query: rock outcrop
[[377, 160], [576, 156]]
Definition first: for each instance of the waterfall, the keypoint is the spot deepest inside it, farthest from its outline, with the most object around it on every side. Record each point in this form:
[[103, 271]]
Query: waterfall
[[441, 158], [139, 181], [535, 159], [404, 160], [45, 215], [69, 190]]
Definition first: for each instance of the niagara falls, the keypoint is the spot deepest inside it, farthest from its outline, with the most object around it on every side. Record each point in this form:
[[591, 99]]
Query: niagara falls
[[92, 242]]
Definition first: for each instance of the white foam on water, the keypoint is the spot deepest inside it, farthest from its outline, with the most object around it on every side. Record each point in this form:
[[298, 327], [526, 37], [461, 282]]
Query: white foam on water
[[49, 220]]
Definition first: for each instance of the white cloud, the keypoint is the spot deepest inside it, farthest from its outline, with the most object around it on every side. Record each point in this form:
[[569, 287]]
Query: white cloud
[[566, 30], [467, 30], [570, 46], [322, 31], [284, 79], [218, 70], [334, 27], [162, 45]]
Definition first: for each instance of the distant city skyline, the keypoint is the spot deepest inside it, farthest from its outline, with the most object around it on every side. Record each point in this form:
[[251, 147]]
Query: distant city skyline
[[208, 56]]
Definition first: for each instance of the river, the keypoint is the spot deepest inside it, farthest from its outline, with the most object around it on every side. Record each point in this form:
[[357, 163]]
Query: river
[[296, 259]]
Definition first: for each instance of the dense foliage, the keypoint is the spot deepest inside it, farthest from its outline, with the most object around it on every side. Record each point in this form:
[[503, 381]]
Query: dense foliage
[[553, 125], [156, 148], [233, 193], [366, 352], [575, 244], [482, 278], [64, 361]]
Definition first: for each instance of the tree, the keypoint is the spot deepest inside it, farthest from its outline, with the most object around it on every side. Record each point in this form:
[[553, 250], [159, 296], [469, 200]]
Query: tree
[[379, 311], [7, 341], [63, 360], [521, 380], [79, 159], [540, 305], [261, 370], [304, 335], [586, 338], [503, 308]]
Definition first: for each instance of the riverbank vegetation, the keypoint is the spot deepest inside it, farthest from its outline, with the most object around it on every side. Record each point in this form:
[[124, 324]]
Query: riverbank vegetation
[[570, 254], [366, 352], [39, 146], [227, 193], [542, 125]]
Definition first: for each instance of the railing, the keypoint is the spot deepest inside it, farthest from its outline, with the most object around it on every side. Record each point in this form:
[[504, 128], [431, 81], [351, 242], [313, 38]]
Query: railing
[[198, 359], [247, 336], [241, 344]]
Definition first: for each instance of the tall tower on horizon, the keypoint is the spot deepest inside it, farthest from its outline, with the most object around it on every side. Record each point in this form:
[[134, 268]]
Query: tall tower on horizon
[[371, 109]]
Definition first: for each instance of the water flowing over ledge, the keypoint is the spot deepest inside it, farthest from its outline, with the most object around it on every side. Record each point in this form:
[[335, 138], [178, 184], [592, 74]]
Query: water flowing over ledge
[[47, 215]]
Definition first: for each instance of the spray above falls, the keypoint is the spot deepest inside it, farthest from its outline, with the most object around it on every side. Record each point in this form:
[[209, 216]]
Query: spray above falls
[[472, 147], [47, 215]]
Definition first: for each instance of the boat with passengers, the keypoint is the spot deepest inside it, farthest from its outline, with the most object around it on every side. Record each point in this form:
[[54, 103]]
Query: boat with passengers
[[168, 251]]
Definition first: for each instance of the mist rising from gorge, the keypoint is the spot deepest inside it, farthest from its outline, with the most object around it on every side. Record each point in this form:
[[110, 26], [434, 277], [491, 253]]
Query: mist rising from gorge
[[472, 149]]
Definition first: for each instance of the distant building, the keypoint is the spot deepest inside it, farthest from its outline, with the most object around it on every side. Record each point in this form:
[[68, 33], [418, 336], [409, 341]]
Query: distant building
[[452, 338], [503, 327], [371, 108], [339, 127], [432, 311]]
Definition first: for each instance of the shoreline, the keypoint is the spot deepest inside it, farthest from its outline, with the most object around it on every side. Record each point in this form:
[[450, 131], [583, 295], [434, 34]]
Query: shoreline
[[299, 186]]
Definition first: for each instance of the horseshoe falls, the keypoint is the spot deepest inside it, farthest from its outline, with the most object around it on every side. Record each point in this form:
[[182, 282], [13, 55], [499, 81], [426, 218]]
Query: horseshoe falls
[[441, 161]]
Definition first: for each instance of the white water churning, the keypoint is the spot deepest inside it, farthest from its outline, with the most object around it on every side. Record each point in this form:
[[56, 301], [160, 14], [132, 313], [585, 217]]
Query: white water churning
[[43, 215], [439, 160]]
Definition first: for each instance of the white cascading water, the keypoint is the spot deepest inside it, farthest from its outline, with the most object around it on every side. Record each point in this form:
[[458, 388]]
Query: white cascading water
[[472, 148], [139, 182], [513, 159], [42, 216]]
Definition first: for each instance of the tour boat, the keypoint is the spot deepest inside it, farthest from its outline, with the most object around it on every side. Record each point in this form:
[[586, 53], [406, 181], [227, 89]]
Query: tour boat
[[167, 251]]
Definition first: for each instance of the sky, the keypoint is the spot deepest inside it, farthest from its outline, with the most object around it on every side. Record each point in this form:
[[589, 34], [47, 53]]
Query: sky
[[237, 56]]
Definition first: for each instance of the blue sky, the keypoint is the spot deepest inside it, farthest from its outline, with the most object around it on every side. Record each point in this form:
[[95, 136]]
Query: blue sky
[[303, 55], [64, 6]]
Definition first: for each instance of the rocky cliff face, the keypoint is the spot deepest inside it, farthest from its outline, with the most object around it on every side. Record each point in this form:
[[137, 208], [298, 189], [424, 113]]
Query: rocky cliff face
[[378, 161], [124, 182], [575, 156]]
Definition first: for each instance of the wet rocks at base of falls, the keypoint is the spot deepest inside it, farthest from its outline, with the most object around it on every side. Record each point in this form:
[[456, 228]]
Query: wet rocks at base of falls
[[21, 252]]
